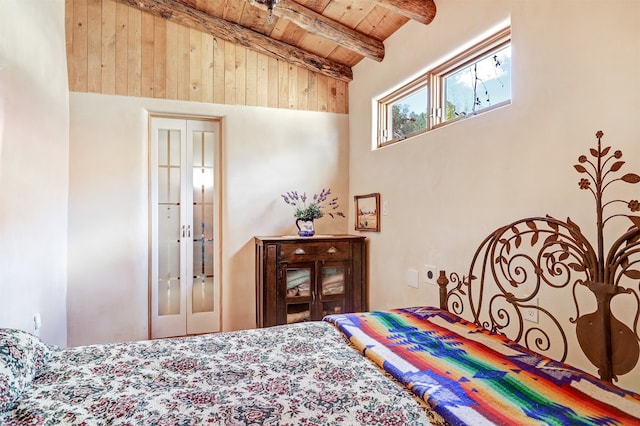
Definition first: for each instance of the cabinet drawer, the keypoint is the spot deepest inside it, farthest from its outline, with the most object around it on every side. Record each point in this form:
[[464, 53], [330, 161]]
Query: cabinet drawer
[[338, 250]]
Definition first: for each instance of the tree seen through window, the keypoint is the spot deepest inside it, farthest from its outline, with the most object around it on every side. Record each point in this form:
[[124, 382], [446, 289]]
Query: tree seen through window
[[409, 115]]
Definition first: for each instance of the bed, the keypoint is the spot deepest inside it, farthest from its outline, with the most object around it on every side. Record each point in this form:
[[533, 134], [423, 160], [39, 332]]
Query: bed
[[287, 375], [421, 366], [473, 360]]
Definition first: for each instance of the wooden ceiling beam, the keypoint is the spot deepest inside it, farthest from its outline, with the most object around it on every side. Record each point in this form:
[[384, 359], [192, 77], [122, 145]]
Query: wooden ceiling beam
[[329, 29], [188, 16], [419, 10]]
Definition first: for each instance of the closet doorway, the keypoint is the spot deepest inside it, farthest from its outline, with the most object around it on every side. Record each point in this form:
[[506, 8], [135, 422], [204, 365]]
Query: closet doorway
[[184, 208]]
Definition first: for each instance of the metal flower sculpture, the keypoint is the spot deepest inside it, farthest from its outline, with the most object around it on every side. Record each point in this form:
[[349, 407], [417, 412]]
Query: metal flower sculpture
[[533, 255]]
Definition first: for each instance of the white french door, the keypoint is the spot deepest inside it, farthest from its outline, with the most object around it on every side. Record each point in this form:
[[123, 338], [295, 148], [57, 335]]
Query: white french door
[[184, 227]]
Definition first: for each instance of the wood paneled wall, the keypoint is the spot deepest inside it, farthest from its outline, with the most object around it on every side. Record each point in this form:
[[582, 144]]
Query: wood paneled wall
[[119, 50]]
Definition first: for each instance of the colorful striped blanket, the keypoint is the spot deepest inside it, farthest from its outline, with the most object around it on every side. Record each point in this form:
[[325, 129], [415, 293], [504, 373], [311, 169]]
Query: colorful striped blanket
[[473, 377]]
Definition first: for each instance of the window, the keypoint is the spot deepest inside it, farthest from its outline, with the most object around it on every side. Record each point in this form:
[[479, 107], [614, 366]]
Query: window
[[404, 112], [475, 81]]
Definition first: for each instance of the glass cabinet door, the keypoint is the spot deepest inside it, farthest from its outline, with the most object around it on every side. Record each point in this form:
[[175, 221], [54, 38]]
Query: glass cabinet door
[[313, 290], [332, 289], [299, 297], [332, 280]]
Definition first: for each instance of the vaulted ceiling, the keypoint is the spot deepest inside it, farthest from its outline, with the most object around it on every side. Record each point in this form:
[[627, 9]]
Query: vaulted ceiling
[[325, 36]]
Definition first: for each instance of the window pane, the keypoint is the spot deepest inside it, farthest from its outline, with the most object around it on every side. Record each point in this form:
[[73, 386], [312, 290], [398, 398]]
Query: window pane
[[484, 83], [409, 115]]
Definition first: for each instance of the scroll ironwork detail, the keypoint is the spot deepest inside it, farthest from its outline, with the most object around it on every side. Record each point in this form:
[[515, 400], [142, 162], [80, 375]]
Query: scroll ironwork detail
[[537, 255]]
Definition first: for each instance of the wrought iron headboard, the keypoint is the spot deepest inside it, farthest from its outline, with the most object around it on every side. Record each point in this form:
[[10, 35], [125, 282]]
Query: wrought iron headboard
[[535, 255]]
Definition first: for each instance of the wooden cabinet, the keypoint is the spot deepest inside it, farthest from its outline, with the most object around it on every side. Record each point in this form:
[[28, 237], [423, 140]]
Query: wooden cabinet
[[303, 279]]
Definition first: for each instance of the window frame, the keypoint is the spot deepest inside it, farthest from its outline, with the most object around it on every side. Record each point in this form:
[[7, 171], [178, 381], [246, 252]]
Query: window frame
[[385, 106], [434, 82]]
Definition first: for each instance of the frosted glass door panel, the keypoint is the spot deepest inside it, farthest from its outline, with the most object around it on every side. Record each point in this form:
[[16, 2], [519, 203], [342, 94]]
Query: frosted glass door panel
[[169, 220], [169, 182], [332, 280], [169, 300], [202, 217], [203, 184], [202, 257], [203, 148], [202, 294], [203, 253], [202, 275], [169, 147], [169, 291], [169, 185], [167, 284], [203, 194], [169, 261]]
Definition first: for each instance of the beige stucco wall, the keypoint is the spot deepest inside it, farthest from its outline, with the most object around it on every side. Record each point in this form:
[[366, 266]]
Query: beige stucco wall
[[34, 144], [575, 71], [265, 152]]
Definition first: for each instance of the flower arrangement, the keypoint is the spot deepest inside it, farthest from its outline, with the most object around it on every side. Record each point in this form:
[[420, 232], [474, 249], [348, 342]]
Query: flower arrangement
[[317, 207]]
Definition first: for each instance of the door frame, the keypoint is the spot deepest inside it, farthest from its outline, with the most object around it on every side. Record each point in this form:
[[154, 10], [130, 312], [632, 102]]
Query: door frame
[[217, 222]]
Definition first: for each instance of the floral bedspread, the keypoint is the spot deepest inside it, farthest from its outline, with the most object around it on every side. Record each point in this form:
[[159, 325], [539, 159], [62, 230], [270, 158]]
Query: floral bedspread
[[300, 374]]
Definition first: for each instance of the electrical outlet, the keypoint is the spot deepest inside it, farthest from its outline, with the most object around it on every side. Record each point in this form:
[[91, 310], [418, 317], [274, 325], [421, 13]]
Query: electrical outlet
[[430, 275], [531, 314]]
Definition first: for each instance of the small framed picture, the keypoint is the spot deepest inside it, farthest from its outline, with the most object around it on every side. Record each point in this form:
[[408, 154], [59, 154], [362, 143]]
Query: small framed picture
[[367, 212]]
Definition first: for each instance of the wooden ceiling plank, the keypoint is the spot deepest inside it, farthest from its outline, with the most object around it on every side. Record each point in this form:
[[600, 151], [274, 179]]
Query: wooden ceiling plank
[[420, 10], [292, 34], [318, 45], [348, 56], [389, 24], [317, 5], [371, 21], [349, 12], [213, 8], [330, 29], [233, 11], [279, 30], [108, 47], [257, 20], [178, 12]]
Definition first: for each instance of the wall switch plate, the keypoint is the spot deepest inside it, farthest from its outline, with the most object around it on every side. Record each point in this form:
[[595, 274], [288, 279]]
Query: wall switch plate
[[412, 278], [531, 314], [385, 208], [430, 275]]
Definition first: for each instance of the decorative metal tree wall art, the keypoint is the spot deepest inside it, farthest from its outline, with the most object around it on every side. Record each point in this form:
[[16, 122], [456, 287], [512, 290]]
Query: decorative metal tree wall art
[[534, 253]]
